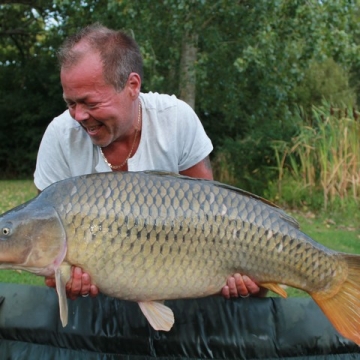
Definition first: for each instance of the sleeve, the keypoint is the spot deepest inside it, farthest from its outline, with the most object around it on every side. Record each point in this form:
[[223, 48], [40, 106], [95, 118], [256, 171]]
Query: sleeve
[[193, 143], [51, 163]]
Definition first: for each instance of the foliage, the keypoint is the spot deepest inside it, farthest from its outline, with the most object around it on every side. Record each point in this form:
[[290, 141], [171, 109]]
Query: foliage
[[324, 80], [272, 65], [323, 158], [254, 62], [29, 82]]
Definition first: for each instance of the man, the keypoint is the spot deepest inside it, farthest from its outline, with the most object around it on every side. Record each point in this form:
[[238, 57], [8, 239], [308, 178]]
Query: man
[[111, 125]]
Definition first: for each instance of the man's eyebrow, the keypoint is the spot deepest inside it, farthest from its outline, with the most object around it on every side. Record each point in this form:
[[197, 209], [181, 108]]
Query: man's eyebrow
[[84, 98]]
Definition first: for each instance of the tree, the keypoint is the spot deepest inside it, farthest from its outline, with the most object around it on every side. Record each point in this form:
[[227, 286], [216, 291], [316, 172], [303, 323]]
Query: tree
[[28, 81], [241, 61]]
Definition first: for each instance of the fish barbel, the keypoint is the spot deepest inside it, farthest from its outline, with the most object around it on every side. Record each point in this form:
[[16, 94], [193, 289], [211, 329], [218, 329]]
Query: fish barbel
[[151, 236]]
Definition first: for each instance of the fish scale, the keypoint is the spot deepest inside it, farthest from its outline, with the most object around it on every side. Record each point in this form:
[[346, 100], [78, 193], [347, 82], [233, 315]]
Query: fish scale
[[151, 236]]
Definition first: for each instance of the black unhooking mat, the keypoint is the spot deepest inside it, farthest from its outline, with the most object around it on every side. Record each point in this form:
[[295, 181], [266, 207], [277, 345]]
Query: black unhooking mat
[[211, 328]]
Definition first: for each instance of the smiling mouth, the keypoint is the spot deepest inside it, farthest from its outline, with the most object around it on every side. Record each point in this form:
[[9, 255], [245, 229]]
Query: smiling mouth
[[92, 130]]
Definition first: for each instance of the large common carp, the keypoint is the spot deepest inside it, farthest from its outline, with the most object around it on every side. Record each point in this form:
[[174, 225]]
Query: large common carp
[[151, 236]]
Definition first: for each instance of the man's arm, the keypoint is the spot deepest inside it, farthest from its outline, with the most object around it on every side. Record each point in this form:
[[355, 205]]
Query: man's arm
[[201, 170]]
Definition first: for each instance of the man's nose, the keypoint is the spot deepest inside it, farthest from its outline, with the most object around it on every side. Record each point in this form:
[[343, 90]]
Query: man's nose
[[79, 112]]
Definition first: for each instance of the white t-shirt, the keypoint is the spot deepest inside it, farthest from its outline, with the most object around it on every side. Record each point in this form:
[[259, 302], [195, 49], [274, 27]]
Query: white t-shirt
[[172, 139]]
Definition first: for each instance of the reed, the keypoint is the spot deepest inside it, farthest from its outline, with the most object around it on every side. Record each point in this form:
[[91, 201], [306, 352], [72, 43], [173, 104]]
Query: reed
[[325, 156]]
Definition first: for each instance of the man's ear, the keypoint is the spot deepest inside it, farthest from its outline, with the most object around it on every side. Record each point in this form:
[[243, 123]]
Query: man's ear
[[134, 84]]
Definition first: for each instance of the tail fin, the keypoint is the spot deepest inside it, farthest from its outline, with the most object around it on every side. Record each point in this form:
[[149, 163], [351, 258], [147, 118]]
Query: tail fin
[[343, 309]]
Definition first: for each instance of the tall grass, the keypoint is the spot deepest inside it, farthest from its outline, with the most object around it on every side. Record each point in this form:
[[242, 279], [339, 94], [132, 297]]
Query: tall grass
[[324, 157]]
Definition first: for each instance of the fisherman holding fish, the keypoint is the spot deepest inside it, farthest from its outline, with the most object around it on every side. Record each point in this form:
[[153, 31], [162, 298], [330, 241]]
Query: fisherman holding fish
[[111, 125], [150, 236]]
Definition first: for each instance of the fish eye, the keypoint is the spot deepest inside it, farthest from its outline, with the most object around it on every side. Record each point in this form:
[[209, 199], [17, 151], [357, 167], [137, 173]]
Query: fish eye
[[5, 231]]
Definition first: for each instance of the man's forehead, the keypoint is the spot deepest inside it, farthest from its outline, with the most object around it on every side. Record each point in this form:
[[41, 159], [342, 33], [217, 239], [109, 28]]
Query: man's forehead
[[81, 52]]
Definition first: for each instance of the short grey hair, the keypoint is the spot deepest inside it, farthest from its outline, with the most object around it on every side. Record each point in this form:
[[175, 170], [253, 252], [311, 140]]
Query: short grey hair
[[119, 52]]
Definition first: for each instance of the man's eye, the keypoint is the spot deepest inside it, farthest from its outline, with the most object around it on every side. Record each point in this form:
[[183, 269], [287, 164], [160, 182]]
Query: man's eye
[[91, 106], [70, 105]]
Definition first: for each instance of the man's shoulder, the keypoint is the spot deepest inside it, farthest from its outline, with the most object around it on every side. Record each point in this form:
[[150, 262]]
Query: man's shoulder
[[154, 100], [163, 102], [64, 121]]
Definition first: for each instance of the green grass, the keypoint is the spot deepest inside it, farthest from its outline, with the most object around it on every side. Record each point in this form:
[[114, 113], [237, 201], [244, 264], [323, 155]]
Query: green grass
[[334, 234], [341, 233], [13, 193]]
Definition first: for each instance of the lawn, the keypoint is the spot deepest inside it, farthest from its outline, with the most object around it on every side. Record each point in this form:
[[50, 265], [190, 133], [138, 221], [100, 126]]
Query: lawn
[[13, 193], [333, 233]]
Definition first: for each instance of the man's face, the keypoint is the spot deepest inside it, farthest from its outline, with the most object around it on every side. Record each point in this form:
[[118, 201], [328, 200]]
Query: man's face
[[106, 115]]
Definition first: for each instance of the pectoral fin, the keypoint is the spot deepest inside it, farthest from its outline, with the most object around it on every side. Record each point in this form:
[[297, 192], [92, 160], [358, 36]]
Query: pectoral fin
[[159, 316], [276, 288], [62, 275]]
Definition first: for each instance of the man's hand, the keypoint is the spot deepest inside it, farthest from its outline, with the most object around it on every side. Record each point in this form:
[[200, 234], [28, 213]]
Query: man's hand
[[78, 285], [242, 286]]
